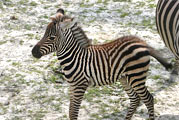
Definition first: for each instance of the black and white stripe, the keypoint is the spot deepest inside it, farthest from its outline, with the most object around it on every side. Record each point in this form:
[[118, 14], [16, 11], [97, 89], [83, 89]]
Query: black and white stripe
[[167, 21], [97, 65], [125, 59]]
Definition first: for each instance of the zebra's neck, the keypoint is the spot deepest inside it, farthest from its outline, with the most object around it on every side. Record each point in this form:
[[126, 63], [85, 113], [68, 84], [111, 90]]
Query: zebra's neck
[[80, 37], [73, 36], [73, 51]]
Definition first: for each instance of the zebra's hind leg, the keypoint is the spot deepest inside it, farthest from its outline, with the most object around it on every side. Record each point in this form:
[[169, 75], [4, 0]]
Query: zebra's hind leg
[[146, 97], [134, 98]]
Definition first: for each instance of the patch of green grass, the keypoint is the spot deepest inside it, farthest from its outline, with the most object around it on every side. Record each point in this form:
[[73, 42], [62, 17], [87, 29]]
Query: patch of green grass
[[5, 79], [53, 78], [121, 0], [12, 26], [18, 64], [102, 1], [48, 6], [95, 41], [156, 77], [28, 27], [38, 37], [140, 4], [92, 20], [2, 42], [102, 8], [99, 1], [8, 3], [21, 42], [19, 75], [96, 116], [124, 14], [119, 10], [3, 109], [65, 116], [46, 16], [1, 5], [22, 9], [16, 118], [138, 13], [35, 59], [91, 93], [23, 2], [33, 3], [149, 23], [150, 1], [57, 107], [48, 99], [97, 101], [30, 35], [37, 97], [34, 69], [23, 81], [84, 5], [152, 5], [146, 22], [39, 114]]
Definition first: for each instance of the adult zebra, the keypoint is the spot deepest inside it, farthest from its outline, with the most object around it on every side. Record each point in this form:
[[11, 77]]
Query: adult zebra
[[167, 21], [84, 64]]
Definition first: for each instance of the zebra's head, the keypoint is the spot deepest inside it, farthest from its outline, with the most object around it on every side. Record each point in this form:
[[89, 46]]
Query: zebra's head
[[51, 39]]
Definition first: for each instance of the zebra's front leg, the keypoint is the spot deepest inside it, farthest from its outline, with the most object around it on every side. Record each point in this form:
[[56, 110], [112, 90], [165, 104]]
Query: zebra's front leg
[[76, 96], [134, 98]]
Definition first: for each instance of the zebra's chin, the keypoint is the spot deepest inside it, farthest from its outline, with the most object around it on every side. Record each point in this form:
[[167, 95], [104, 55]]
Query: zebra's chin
[[37, 56]]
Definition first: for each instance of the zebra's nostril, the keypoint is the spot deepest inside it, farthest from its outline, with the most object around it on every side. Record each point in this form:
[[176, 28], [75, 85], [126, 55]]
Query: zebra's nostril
[[35, 52]]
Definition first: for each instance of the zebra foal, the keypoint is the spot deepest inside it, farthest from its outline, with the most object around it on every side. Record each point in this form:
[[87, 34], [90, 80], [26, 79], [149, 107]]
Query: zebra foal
[[167, 22], [125, 59]]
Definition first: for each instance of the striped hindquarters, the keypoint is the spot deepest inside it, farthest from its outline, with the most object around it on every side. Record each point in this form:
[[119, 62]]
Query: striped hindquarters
[[131, 60], [167, 21]]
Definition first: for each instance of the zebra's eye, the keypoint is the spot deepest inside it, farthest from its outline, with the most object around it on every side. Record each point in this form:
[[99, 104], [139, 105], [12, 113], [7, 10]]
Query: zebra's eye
[[52, 38]]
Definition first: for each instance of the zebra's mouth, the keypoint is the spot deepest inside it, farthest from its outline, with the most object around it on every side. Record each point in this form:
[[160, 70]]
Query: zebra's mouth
[[35, 52]]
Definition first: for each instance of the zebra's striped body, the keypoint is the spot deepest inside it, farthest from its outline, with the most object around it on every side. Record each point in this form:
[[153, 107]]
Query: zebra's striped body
[[125, 59], [98, 65], [104, 64], [167, 21]]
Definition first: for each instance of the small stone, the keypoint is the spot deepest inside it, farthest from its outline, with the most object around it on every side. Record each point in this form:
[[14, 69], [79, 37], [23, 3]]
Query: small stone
[[6, 103], [13, 17]]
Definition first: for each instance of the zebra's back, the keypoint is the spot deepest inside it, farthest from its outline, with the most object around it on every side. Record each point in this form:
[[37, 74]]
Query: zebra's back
[[125, 56]]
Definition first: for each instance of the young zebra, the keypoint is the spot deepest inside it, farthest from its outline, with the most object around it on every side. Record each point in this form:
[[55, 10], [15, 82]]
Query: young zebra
[[167, 21], [125, 59]]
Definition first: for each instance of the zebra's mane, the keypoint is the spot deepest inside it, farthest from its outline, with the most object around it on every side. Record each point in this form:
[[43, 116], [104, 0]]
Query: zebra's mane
[[85, 41]]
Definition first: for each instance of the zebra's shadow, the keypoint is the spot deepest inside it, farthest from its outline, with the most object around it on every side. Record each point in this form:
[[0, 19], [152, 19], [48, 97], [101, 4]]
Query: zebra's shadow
[[119, 116], [173, 78], [168, 117]]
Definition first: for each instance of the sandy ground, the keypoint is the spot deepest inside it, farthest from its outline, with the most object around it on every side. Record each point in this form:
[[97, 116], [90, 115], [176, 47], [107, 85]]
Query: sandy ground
[[27, 86]]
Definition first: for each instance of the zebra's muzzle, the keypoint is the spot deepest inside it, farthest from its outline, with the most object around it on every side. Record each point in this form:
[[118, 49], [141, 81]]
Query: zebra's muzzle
[[36, 52]]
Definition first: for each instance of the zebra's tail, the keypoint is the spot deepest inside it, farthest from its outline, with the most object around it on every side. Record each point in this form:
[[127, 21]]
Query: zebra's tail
[[154, 53]]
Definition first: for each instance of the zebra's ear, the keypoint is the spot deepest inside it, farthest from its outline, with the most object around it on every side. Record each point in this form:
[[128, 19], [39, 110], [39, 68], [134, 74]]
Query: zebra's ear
[[59, 14], [60, 10], [68, 23]]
